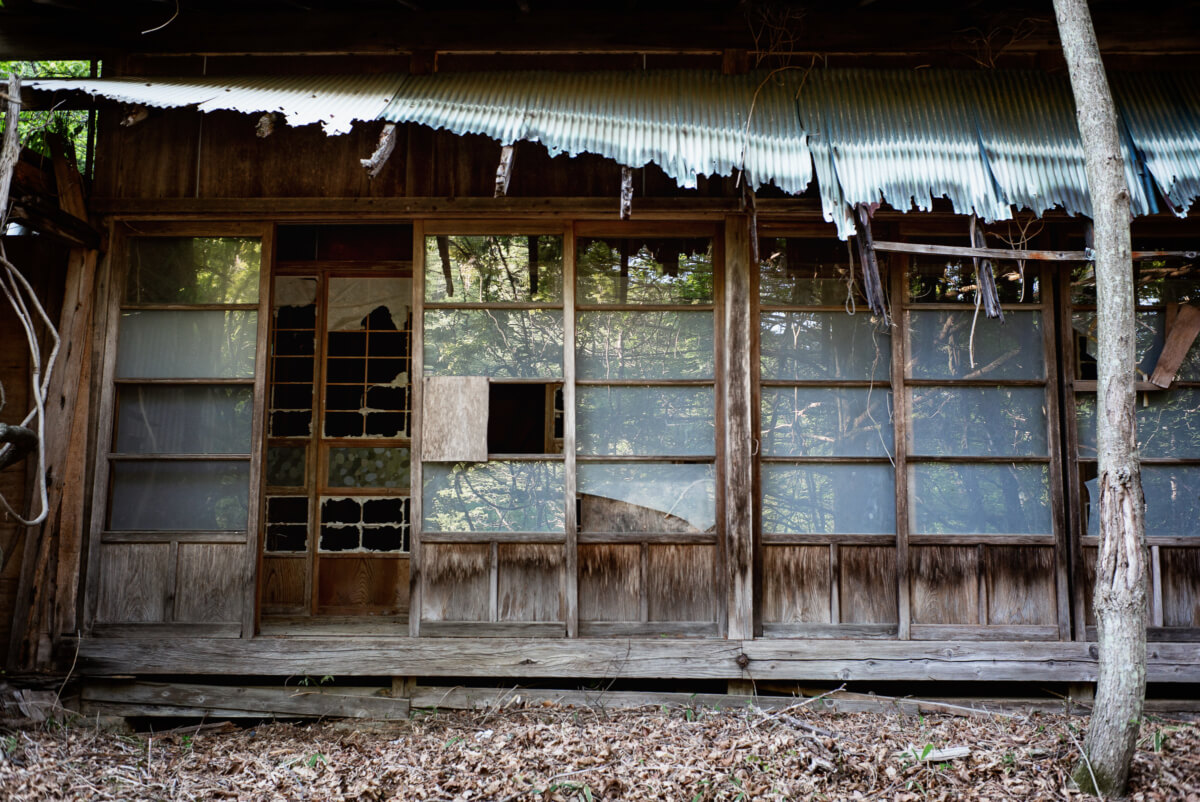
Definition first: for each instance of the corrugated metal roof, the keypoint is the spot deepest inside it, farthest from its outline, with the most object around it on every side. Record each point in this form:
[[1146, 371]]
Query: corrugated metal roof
[[335, 102], [989, 141], [689, 123]]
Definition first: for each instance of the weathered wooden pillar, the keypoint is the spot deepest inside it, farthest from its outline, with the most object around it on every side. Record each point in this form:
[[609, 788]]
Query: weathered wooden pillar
[[739, 437]]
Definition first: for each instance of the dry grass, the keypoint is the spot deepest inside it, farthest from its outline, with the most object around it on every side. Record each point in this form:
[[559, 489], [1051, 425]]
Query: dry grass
[[552, 752]]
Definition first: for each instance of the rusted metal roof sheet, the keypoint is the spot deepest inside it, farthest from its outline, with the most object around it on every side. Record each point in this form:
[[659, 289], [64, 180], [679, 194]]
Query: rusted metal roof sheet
[[690, 123], [335, 102]]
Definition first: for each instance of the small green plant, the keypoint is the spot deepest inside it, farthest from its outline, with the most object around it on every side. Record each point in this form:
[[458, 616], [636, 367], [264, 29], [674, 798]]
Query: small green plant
[[8, 745], [314, 758], [455, 740]]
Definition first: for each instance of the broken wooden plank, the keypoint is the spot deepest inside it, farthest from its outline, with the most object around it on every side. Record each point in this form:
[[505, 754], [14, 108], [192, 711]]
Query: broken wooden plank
[[872, 285], [626, 192], [67, 228], [387, 143], [309, 700], [504, 170], [1180, 337]]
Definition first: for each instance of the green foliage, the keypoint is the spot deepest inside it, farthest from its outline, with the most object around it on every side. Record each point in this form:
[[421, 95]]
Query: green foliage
[[36, 128]]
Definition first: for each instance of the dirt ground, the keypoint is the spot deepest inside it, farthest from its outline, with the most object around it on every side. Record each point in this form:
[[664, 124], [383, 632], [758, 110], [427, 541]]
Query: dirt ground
[[552, 752]]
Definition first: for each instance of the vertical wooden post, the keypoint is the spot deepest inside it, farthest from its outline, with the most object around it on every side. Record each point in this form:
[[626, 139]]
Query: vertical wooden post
[[570, 588], [416, 499], [898, 268], [739, 446]]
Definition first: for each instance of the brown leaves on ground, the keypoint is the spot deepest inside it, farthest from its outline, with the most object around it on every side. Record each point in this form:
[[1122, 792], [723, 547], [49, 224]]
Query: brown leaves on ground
[[564, 753]]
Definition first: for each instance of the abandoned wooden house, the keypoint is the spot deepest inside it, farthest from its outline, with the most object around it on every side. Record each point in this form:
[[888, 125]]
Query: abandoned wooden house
[[727, 341]]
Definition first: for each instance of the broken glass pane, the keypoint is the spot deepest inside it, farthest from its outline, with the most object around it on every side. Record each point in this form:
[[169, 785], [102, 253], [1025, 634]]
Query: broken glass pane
[[654, 271], [156, 419], [379, 304], [368, 467], [493, 268], [494, 497], [828, 499], [934, 279], [979, 421], [206, 344], [1157, 282], [801, 346], [501, 343], [647, 497], [193, 270], [824, 422], [645, 421], [644, 345], [364, 524], [806, 272], [287, 523], [1148, 343], [179, 495], [964, 499], [1168, 424], [941, 345]]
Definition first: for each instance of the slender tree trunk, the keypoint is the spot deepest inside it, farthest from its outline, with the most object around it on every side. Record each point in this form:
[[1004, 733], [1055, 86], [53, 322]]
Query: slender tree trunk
[[1120, 593]]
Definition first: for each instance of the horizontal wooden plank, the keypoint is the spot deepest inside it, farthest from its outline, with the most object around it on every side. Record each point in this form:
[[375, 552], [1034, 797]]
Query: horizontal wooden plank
[[793, 539], [167, 630], [1164, 634], [779, 659], [300, 700], [493, 629], [459, 698], [493, 537], [686, 538], [966, 632], [842, 631], [647, 629], [173, 537]]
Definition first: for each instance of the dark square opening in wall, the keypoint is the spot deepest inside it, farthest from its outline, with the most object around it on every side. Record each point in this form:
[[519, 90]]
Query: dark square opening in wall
[[517, 418]]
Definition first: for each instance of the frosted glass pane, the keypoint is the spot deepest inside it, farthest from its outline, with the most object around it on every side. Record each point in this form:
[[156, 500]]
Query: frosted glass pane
[[501, 343], [828, 499], [379, 304], [492, 269], [805, 272], [645, 421], [658, 497], [1148, 344], [169, 496], [644, 345], [979, 421], [825, 345], [980, 499], [656, 271], [494, 497], [820, 422], [287, 466], [1168, 423], [193, 270], [934, 279], [1172, 500], [153, 419], [368, 467], [940, 345], [185, 345]]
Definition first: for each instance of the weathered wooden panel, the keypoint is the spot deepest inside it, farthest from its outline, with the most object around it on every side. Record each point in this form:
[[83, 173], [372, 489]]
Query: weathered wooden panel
[[796, 584], [157, 157], [349, 585], [867, 589], [529, 582], [282, 583], [455, 418], [208, 582], [1089, 585], [457, 586], [679, 583], [1181, 587], [1020, 585], [14, 376], [945, 584], [610, 585], [133, 582]]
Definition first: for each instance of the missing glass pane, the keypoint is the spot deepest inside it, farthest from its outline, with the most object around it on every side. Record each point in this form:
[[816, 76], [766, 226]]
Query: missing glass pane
[[517, 418], [193, 270], [644, 271], [493, 268], [934, 279], [364, 524], [806, 272]]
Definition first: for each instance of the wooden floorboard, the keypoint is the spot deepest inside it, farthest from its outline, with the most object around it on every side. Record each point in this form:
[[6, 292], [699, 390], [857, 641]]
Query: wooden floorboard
[[775, 659]]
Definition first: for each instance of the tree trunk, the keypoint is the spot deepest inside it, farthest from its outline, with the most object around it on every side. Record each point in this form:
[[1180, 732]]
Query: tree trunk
[[1120, 593]]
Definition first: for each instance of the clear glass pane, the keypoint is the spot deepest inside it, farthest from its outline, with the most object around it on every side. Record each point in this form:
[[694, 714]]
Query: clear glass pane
[[153, 419], [364, 524], [494, 497], [183, 495], [368, 467], [950, 280], [941, 346], [502, 343], [187, 345], [1172, 500], [980, 499], [493, 269], [806, 272], [823, 422], [644, 345], [193, 270], [825, 345], [1148, 344], [1168, 423], [979, 421], [644, 271], [645, 421], [647, 497], [286, 466], [828, 499]]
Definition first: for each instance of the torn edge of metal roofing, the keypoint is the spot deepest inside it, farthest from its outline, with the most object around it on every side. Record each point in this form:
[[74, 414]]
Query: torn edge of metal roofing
[[991, 142]]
